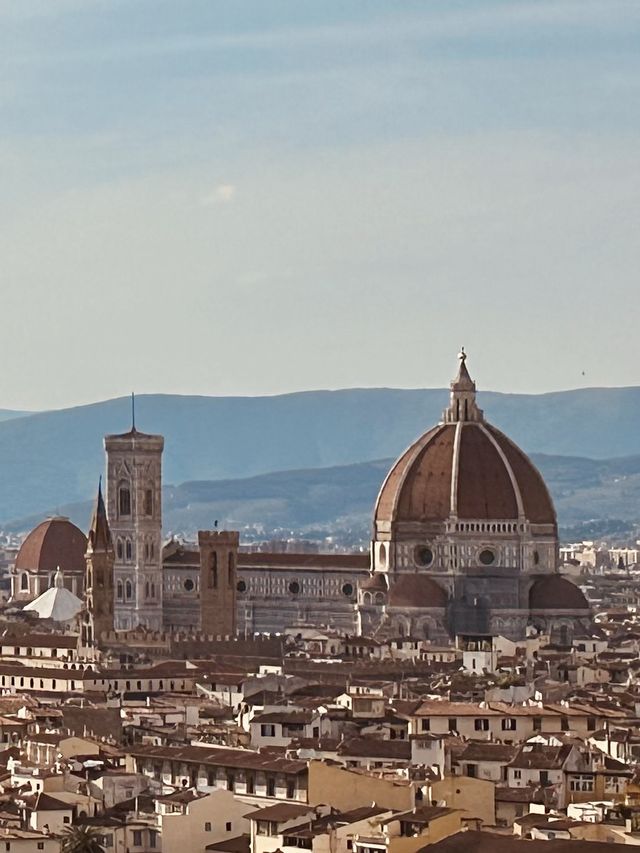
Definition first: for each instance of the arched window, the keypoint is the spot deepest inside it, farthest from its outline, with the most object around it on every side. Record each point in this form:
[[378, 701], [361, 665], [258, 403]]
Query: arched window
[[146, 590], [24, 582], [230, 568], [124, 500], [119, 549], [152, 550], [148, 502], [129, 549], [146, 550], [213, 571], [128, 590], [153, 590], [119, 590]]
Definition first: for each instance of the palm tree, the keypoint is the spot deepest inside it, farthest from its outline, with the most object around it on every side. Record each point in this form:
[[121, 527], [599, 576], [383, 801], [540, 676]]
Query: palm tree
[[82, 839]]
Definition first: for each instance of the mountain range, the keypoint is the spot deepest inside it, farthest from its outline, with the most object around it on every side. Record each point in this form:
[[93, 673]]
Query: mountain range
[[339, 500], [49, 460]]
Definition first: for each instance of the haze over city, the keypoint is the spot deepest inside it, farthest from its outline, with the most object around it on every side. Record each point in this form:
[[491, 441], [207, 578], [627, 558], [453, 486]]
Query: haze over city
[[258, 197]]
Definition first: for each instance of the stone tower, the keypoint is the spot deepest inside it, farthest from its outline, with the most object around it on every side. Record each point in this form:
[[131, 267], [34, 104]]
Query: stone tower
[[98, 618], [134, 509], [218, 562]]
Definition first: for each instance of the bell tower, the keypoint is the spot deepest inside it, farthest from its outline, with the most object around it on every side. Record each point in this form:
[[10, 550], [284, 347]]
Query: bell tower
[[218, 567], [134, 509], [98, 618]]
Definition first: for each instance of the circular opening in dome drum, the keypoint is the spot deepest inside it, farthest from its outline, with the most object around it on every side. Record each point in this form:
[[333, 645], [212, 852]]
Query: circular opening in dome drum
[[294, 587], [423, 555], [241, 586], [487, 557], [347, 589], [189, 585]]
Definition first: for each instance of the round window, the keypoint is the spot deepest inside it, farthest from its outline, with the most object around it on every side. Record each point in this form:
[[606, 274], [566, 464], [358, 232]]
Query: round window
[[241, 586], [189, 585], [294, 587], [487, 557], [347, 589], [423, 555]]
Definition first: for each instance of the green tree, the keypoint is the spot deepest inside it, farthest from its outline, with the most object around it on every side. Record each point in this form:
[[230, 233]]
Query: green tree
[[82, 839]]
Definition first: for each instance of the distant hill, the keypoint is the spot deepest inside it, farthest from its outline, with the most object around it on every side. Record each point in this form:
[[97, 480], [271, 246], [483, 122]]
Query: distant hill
[[339, 500], [9, 414], [51, 459]]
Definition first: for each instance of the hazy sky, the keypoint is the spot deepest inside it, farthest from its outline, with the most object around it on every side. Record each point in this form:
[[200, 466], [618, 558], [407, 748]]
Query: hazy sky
[[256, 196]]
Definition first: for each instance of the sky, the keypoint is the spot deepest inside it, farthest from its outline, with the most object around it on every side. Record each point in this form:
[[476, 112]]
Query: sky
[[231, 197]]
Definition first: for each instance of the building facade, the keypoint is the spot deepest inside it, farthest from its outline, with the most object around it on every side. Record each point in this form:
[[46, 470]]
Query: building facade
[[464, 546], [465, 538]]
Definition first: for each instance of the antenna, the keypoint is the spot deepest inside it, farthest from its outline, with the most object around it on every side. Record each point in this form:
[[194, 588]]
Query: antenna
[[133, 411]]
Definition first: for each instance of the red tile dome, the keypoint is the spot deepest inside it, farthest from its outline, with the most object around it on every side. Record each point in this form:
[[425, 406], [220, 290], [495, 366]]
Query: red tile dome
[[54, 543], [464, 468]]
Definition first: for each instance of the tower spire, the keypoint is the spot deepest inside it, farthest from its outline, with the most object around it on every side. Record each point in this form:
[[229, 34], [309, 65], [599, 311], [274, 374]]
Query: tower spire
[[133, 411], [99, 532], [462, 401]]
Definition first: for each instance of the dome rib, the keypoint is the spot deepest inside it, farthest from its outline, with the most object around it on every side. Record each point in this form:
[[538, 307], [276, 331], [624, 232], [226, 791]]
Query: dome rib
[[514, 483], [537, 502], [455, 467], [485, 490], [390, 493]]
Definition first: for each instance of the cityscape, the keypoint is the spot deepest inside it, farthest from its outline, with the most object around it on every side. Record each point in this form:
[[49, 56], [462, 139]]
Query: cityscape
[[284, 565]]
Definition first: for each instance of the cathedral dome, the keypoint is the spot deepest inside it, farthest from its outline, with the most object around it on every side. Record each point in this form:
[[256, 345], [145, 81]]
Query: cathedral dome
[[554, 592], [466, 469], [54, 543], [413, 590]]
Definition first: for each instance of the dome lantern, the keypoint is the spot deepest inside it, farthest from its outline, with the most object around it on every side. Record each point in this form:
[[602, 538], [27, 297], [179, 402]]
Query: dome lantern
[[462, 404]]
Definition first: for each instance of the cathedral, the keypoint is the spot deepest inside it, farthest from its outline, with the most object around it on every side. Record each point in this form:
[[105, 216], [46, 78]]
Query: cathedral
[[465, 546]]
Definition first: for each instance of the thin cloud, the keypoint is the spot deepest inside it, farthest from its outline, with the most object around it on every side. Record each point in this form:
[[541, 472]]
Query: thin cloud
[[222, 194]]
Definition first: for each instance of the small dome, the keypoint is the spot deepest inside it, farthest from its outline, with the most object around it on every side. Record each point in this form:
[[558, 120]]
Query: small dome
[[416, 591], [375, 583], [554, 592], [57, 602], [55, 542]]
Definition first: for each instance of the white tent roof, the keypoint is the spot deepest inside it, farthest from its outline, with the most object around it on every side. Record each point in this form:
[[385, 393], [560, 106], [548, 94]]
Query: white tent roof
[[57, 602]]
